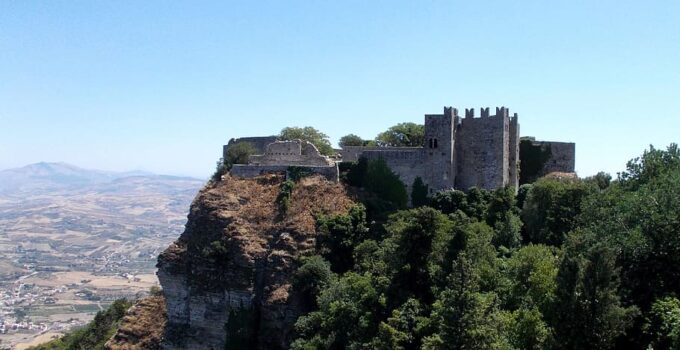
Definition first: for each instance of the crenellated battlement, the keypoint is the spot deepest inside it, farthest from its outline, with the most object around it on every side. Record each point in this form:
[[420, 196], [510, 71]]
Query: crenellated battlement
[[457, 153]]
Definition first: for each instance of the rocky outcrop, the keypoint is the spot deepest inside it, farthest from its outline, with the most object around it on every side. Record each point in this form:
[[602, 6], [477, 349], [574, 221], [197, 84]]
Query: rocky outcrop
[[227, 279]]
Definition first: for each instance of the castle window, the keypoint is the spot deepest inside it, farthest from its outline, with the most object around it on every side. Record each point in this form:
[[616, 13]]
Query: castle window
[[431, 144], [435, 143]]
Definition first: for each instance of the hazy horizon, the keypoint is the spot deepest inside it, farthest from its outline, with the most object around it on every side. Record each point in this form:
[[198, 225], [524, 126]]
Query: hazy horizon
[[160, 86]]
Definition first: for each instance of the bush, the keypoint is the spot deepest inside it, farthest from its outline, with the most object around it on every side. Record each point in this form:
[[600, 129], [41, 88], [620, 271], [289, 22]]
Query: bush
[[284, 197]]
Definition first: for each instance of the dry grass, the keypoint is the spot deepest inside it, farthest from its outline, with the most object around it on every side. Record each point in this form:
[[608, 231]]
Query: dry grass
[[142, 327]]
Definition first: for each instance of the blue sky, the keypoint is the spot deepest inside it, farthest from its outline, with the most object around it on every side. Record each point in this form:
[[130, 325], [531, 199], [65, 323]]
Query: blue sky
[[161, 85]]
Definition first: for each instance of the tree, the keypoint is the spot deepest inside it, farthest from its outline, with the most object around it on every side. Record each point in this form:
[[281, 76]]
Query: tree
[[651, 164], [351, 140], [639, 216], [402, 135], [416, 239], [347, 317], [419, 192], [662, 324], [309, 134], [465, 317], [313, 276], [552, 207], [338, 236], [382, 181], [601, 179], [532, 272], [237, 153], [588, 312]]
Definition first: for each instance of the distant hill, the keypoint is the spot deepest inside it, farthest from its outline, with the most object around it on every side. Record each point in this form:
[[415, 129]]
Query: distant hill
[[45, 176]]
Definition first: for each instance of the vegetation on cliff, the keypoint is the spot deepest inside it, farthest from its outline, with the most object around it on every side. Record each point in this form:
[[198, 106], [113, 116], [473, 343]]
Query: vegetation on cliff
[[564, 264], [95, 334]]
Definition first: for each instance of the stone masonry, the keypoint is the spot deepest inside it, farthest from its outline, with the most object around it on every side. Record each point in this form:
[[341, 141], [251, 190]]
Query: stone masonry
[[279, 156], [459, 152]]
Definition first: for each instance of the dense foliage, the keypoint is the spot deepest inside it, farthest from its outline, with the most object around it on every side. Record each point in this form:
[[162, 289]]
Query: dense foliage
[[309, 134], [237, 153], [351, 140], [562, 264], [95, 334], [402, 135]]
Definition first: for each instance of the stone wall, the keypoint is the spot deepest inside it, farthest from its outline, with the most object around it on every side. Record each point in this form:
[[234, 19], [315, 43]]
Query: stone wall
[[483, 151], [439, 170], [291, 153], [258, 142], [406, 162], [562, 157], [249, 171]]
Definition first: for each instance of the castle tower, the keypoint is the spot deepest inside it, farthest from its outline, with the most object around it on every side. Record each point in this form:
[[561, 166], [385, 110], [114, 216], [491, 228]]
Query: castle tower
[[487, 150], [439, 148]]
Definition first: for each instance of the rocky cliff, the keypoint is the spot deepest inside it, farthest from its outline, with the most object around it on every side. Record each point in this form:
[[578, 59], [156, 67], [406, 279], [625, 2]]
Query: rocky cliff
[[227, 279]]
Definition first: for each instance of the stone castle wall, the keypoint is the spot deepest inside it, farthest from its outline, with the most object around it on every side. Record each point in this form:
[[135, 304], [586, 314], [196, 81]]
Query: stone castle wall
[[408, 163], [562, 157], [458, 153], [258, 142], [248, 171], [483, 151], [279, 156]]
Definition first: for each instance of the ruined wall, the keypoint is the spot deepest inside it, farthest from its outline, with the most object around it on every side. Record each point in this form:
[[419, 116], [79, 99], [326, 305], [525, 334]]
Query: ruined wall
[[259, 143], [482, 152], [249, 171], [291, 153]]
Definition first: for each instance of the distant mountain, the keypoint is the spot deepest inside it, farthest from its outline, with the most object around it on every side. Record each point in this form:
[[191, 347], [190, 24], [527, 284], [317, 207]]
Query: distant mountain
[[45, 176]]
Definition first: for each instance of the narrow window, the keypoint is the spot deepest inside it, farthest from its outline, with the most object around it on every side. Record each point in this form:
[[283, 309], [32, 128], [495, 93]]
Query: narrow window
[[435, 143]]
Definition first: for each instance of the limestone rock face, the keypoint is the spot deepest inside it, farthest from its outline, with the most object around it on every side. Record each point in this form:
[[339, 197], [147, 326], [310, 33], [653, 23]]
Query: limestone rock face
[[227, 279]]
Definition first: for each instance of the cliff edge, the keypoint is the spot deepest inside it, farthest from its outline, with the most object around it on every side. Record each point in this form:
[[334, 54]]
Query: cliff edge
[[227, 279]]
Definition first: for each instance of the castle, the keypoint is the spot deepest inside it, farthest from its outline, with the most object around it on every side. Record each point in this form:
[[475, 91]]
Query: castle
[[459, 153]]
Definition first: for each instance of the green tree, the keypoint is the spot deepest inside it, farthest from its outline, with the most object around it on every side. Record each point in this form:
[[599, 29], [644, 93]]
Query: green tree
[[416, 240], [237, 153], [351, 140], [588, 312], [313, 276], [652, 164], [309, 134], [419, 192], [639, 217], [551, 209], [465, 317], [532, 272], [402, 135], [382, 181], [347, 318], [338, 236], [449, 201], [601, 179], [403, 330], [662, 324], [528, 330]]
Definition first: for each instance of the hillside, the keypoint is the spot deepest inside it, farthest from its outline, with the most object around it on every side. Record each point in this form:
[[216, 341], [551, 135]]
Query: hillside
[[563, 263], [73, 240]]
